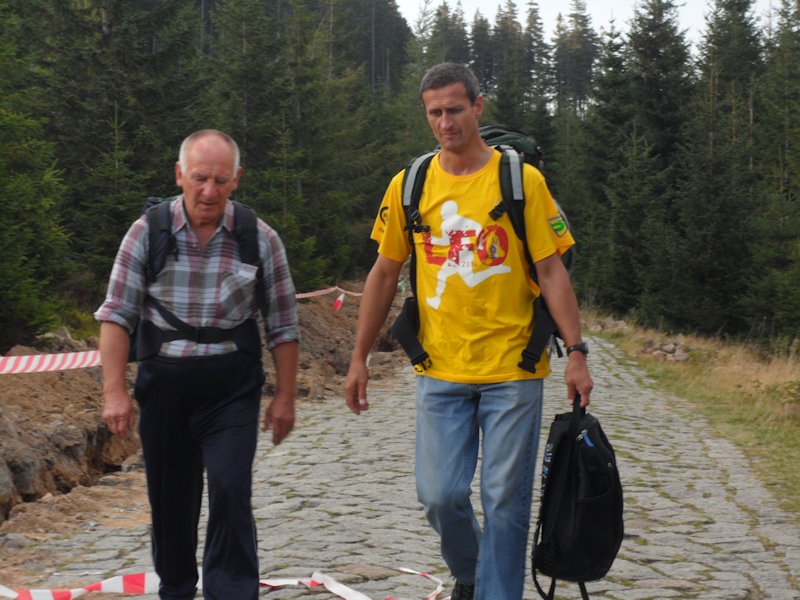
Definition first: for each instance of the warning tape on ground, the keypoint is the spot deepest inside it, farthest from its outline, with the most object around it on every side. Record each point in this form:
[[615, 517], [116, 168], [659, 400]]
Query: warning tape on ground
[[147, 583], [41, 363]]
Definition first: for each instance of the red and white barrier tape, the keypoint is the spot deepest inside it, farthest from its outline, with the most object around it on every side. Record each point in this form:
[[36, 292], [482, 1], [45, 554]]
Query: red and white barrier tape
[[147, 583], [41, 363], [329, 290]]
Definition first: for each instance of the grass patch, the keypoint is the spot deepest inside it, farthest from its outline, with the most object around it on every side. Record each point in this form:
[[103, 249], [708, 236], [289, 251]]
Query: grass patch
[[750, 398], [80, 323]]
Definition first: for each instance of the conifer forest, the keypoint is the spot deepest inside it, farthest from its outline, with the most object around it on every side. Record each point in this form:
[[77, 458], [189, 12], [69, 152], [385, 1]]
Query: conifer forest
[[677, 163]]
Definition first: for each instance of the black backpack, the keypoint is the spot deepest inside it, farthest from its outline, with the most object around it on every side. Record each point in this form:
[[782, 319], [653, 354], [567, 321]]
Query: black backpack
[[162, 245], [516, 148], [580, 527]]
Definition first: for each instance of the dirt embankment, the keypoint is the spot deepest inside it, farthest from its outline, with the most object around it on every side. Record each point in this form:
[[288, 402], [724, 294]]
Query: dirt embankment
[[54, 445]]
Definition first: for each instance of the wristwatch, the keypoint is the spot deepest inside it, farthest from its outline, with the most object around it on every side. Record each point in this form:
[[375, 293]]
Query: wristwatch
[[580, 347]]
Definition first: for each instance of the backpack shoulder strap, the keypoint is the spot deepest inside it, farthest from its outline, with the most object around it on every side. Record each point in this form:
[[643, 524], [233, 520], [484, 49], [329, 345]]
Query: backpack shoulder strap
[[245, 230], [160, 240], [513, 197], [513, 202], [413, 182]]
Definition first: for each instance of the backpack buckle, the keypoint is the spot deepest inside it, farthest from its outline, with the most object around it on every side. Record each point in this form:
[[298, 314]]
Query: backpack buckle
[[529, 360], [415, 223], [498, 211]]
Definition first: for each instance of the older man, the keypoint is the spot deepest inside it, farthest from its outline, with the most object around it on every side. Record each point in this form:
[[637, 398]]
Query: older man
[[199, 394]]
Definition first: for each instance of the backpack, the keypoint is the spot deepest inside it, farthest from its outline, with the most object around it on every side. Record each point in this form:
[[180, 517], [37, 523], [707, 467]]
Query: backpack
[[162, 244], [580, 526], [516, 148]]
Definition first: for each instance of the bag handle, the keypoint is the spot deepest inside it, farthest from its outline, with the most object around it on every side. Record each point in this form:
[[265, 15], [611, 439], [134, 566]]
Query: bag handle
[[578, 411]]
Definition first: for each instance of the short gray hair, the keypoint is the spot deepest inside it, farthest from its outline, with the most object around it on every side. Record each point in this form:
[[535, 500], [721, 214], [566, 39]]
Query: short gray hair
[[191, 139], [448, 73]]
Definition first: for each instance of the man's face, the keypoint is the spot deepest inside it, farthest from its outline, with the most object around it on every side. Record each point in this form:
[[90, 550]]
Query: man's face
[[208, 181], [451, 116]]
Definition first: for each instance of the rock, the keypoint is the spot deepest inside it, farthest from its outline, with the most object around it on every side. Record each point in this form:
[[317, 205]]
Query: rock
[[669, 347], [659, 355], [25, 468], [8, 492]]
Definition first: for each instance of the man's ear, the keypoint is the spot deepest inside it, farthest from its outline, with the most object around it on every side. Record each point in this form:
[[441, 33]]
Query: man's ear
[[478, 106]]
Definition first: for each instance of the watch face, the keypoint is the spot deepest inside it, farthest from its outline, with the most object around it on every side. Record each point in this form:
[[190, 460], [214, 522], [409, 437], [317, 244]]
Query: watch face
[[582, 347]]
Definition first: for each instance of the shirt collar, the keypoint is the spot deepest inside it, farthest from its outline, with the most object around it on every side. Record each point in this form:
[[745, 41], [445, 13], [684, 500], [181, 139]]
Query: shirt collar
[[180, 220]]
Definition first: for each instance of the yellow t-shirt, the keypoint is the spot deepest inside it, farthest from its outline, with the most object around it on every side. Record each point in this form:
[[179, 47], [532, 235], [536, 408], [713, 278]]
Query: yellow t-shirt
[[474, 291]]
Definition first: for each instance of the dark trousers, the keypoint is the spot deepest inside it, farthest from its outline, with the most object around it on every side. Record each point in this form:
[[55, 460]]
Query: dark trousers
[[196, 414]]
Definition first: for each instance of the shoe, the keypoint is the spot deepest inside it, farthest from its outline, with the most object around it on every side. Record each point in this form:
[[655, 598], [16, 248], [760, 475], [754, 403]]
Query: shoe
[[463, 591]]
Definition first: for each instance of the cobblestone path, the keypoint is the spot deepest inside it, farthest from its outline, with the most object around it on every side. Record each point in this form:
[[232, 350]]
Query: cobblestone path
[[338, 496]]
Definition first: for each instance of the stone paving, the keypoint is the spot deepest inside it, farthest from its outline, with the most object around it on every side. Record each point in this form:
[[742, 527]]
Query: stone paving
[[338, 497]]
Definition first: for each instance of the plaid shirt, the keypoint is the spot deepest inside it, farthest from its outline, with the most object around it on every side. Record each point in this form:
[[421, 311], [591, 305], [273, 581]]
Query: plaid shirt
[[208, 287]]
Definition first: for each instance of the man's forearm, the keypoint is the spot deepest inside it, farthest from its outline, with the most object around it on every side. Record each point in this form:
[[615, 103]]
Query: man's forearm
[[561, 301], [379, 292], [114, 350], [285, 357]]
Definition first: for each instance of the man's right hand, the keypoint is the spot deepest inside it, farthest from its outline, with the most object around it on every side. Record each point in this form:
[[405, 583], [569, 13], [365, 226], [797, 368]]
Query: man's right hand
[[355, 386], [379, 291], [119, 413]]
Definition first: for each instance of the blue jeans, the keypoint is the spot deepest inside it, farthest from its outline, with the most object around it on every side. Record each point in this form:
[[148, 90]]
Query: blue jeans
[[450, 419]]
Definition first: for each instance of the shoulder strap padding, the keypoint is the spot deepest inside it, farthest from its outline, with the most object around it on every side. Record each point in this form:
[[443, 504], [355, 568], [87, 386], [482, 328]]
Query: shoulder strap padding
[[245, 230], [160, 239], [414, 180], [513, 197]]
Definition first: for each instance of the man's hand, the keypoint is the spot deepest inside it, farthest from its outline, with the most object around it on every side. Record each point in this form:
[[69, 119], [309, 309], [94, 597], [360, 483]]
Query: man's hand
[[279, 416], [355, 386], [379, 291], [119, 413], [578, 378]]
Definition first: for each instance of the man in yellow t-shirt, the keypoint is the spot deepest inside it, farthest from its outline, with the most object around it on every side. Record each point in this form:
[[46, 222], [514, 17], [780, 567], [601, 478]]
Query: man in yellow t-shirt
[[475, 298]]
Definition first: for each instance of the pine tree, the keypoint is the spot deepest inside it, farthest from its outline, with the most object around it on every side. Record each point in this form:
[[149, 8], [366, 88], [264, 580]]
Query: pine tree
[[120, 86], [482, 52], [661, 77], [32, 242], [448, 40], [540, 93], [716, 203], [574, 54], [638, 242], [774, 297], [512, 73], [661, 82], [367, 34], [608, 122]]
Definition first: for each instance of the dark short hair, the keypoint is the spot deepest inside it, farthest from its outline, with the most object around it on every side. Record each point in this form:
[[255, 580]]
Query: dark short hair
[[448, 73]]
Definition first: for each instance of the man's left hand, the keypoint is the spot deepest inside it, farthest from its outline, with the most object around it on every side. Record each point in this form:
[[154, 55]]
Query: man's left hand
[[578, 378]]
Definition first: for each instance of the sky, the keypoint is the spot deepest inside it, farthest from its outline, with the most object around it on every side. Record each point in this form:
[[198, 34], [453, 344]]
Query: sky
[[691, 14]]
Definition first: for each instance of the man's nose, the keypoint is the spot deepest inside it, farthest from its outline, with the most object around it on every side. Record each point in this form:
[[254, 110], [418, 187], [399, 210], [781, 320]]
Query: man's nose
[[209, 189]]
